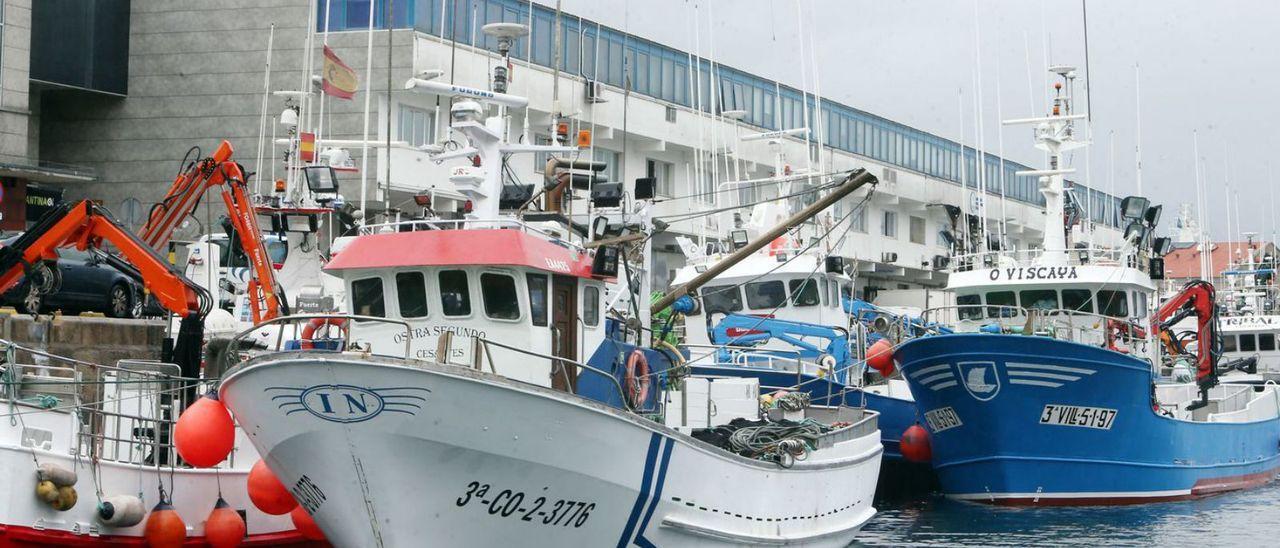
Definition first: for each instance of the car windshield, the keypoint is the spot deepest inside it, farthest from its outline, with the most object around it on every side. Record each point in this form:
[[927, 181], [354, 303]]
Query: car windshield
[[277, 252]]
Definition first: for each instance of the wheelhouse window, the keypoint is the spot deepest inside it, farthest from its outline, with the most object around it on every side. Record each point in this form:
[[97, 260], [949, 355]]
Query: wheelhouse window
[[1248, 342], [804, 292], [766, 295], [1040, 299], [1228, 343], [591, 306], [1077, 300], [455, 295], [411, 293], [537, 298], [822, 289], [500, 296], [1266, 342], [970, 307], [1113, 303], [367, 299], [1002, 304], [722, 299]]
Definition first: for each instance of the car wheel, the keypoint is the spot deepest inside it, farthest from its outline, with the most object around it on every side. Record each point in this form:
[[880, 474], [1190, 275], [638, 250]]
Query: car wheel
[[121, 303]]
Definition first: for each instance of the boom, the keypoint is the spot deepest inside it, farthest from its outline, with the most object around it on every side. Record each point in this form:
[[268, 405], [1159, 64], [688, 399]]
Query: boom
[[183, 197], [1196, 298]]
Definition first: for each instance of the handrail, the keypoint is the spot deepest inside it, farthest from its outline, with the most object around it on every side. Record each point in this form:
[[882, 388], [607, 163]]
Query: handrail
[[346, 341], [621, 394]]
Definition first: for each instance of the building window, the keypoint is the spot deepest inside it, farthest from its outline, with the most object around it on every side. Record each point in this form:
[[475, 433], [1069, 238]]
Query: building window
[[411, 292], [663, 174], [890, 227], [917, 230], [417, 126], [613, 163], [858, 220], [366, 298], [455, 296]]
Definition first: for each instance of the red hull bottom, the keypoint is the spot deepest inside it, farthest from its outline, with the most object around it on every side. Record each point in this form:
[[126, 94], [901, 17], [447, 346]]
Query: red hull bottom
[[1203, 488]]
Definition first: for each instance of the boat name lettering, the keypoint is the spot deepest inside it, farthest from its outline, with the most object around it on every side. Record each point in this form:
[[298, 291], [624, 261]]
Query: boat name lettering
[[1084, 417], [308, 494], [436, 330], [509, 503], [345, 403], [1034, 273], [942, 418], [1251, 320], [556, 264]]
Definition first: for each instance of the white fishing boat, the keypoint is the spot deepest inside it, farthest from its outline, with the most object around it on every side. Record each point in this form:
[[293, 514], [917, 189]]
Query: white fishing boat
[[456, 405]]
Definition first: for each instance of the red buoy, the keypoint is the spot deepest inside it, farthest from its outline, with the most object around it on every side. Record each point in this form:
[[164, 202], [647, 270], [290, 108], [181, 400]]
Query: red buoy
[[205, 433], [267, 493], [164, 527], [224, 528], [915, 444], [880, 357], [305, 524]]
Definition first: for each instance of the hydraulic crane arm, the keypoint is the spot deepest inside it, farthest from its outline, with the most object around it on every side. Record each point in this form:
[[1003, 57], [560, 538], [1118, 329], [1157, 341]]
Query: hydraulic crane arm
[[183, 197], [1196, 298]]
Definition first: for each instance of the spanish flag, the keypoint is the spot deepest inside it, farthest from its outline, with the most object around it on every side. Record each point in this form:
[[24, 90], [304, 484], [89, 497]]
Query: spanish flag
[[339, 79]]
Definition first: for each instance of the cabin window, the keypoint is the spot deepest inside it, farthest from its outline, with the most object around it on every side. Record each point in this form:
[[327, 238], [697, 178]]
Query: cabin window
[[1040, 299], [721, 298], [1248, 342], [500, 296], [366, 297], [1266, 342], [1002, 304], [455, 296], [1228, 343], [411, 293], [1113, 303], [1078, 300], [968, 307], [591, 306], [766, 295], [537, 298], [1139, 303], [804, 292], [822, 286]]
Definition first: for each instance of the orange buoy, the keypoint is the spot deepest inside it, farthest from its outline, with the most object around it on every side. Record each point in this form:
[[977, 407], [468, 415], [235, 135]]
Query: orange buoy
[[205, 433], [880, 357], [915, 444], [305, 524], [267, 493], [164, 527], [224, 528]]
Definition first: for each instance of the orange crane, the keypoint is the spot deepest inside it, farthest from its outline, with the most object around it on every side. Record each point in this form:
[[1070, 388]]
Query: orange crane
[[265, 301], [85, 225]]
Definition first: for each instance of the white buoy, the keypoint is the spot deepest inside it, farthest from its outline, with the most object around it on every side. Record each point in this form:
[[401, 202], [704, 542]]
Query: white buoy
[[121, 511]]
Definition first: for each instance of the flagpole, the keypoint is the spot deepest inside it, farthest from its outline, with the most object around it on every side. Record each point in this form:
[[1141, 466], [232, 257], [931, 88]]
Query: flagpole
[[266, 94], [364, 147], [325, 42]]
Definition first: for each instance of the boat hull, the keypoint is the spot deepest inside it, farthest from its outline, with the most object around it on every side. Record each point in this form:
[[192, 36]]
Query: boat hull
[[1032, 420], [470, 459]]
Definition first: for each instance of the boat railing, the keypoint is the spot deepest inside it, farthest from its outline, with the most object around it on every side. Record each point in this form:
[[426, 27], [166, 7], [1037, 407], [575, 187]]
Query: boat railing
[[1073, 325], [460, 224], [1080, 256], [290, 335], [485, 354]]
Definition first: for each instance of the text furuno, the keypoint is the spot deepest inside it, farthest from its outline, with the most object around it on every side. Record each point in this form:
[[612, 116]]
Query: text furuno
[[1034, 273]]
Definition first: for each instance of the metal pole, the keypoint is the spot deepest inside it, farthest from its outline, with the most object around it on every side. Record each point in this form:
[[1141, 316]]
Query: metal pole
[[853, 182]]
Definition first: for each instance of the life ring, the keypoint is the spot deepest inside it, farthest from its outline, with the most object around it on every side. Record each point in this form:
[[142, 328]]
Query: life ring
[[305, 342], [637, 378]]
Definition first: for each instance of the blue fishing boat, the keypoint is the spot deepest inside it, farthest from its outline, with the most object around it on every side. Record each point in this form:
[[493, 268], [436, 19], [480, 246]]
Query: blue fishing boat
[[1050, 393]]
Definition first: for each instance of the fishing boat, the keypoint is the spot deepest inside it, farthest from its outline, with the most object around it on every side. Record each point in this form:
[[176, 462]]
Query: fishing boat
[[1049, 392], [454, 405]]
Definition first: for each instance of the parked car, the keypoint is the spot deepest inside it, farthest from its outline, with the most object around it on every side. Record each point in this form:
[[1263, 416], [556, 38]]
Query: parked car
[[88, 285]]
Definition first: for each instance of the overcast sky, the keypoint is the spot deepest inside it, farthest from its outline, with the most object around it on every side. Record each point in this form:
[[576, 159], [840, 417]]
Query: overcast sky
[[1206, 66]]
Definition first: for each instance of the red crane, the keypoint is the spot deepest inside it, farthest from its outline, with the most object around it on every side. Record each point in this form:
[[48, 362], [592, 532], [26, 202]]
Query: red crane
[[1196, 298]]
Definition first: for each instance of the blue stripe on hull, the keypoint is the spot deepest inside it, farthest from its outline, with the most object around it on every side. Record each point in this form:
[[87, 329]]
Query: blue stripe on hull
[[999, 387]]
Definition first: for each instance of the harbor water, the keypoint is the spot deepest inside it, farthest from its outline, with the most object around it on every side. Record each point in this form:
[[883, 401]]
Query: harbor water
[[1244, 518]]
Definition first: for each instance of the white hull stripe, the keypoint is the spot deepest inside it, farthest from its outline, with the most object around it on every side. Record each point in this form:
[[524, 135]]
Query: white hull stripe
[[1035, 383], [1055, 368], [1039, 375], [936, 378], [942, 385], [931, 369]]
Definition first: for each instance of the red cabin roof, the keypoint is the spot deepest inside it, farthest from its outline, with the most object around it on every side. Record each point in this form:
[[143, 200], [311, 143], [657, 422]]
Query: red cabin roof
[[476, 247]]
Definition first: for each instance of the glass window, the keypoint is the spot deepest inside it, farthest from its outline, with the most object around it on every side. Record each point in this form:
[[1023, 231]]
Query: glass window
[[1248, 342], [411, 293], [366, 297], [591, 305], [1079, 300], [722, 299], [1113, 303], [499, 293], [890, 228], [1266, 342], [968, 307], [1228, 343], [663, 175], [804, 292], [917, 230], [1042, 299], [417, 126], [537, 297], [998, 300], [822, 286], [455, 296], [1139, 303], [766, 295]]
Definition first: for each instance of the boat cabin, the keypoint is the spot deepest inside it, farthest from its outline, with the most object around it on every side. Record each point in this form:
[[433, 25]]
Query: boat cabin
[[505, 285]]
